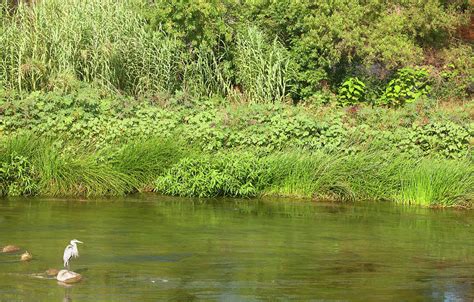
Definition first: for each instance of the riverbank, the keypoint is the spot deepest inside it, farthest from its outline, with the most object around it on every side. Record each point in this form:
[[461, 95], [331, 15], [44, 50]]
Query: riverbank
[[87, 143], [33, 166], [112, 98]]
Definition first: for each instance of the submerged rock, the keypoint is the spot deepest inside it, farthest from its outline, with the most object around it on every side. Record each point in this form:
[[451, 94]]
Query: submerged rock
[[10, 249], [52, 272], [26, 256], [68, 277]]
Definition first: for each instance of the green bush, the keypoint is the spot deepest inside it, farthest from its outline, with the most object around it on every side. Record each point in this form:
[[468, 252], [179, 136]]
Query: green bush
[[455, 80], [351, 92], [327, 40], [445, 139], [408, 85], [236, 175], [196, 24], [17, 176]]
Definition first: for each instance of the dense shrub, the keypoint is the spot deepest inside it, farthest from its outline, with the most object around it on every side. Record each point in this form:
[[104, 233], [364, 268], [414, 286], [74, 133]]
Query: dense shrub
[[328, 39], [455, 80], [195, 24], [446, 139], [236, 175], [17, 176], [408, 85], [351, 92]]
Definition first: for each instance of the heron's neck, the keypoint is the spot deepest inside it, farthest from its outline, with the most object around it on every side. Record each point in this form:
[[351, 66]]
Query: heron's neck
[[74, 248]]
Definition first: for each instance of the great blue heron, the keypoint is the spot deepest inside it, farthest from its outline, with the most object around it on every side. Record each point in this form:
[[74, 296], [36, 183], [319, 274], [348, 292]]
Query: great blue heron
[[70, 251]]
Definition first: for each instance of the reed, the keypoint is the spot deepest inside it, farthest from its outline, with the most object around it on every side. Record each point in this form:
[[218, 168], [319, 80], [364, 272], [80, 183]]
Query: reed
[[262, 68], [96, 41]]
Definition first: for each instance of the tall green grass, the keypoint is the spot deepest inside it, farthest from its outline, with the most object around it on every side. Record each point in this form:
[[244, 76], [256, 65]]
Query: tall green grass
[[103, 42], [26, 160], [262, 68], [438, 183], [143, 161], [55, 43], [374, 176], [77, 174], [342, 177], [30, 165], [333, 176]]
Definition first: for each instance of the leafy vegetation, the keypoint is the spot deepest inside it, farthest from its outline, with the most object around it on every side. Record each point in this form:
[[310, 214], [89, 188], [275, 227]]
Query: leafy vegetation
[[351, 92], [95, 121], [34, 166], [264, 50], [340, 99], [407, 86], [227, 175]]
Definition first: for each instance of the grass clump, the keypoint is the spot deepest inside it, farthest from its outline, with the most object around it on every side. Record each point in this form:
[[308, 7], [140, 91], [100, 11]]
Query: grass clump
[[374, 176], [29, 165], [72, 174], [144, 160], [343, 177], [438, 183]]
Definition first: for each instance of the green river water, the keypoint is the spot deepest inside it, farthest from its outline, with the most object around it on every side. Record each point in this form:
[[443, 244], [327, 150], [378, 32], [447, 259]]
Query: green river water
[[154, 248]]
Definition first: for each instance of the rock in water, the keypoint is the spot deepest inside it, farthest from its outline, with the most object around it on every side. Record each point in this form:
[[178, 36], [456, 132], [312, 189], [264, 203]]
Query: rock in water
[[68, 276], [10, 249], [26, 256], [52, 272]]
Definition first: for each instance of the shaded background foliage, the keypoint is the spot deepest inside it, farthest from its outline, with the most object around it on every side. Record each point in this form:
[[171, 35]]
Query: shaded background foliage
[[206, 47]]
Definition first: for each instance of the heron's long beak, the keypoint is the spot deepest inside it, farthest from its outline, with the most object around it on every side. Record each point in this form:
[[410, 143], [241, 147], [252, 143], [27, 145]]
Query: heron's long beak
[[79, 241]]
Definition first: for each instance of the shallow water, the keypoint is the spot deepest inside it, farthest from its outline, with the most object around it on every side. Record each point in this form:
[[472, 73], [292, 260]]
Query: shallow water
[[152, 248]]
